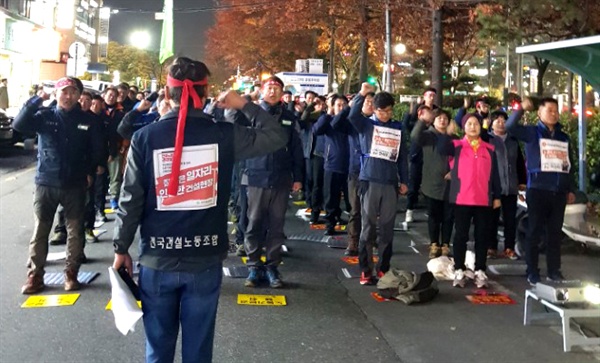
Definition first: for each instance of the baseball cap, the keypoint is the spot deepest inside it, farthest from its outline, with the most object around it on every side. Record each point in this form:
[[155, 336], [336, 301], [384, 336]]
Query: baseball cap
[[66, 82]]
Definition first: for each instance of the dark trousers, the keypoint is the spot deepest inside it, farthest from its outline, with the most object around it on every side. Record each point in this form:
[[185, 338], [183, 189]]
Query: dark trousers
[[463, 215], [441, 219], [316, 200], [509, 217], [333, 185], [242, 217], [100, 189], [415, 176], [308, 181], [546, 211], [266, 217], [354, 222], [378, 215]]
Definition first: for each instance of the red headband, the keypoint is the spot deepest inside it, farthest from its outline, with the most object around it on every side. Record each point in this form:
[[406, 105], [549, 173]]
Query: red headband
[[188, 91], [272, 82]]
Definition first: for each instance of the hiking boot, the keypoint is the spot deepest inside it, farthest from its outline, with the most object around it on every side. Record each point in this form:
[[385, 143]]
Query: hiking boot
[[59, 238], [445, 250], [459, 278], [555, 276], [481, 279], [71, 283], [34, 284], [253, 277], [492, 253], [434, 250], [240, 251], [409, 216], [367, 279], [350, 252], [90, 236], [274, 277], [511, 254], [533, 278]]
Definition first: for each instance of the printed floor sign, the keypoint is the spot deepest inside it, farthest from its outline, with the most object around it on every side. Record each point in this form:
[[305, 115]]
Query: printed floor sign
[[261, 300], [44, 301]]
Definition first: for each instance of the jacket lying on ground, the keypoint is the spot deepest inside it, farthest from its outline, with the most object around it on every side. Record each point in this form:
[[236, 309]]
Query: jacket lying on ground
[[70, 143], [186, 240]]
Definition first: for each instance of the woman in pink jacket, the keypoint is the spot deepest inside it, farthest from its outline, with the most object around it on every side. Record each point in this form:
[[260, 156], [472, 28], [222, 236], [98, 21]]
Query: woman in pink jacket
[[475, 189]]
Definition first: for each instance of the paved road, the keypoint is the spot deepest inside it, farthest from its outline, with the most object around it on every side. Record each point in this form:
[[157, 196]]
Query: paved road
[[329, 318]]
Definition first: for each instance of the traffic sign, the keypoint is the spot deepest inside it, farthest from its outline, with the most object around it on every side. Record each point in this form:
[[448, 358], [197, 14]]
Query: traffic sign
[[77, 50]]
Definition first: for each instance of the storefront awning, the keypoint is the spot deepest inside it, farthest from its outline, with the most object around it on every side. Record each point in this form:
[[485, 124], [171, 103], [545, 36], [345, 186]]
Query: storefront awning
[[581, 56]]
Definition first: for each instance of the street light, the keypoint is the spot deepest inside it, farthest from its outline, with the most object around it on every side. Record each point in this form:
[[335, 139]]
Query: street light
[[140, 39], [400, 48]]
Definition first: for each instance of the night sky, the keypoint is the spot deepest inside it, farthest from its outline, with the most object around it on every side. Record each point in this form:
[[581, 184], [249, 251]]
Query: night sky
[[189, 27]]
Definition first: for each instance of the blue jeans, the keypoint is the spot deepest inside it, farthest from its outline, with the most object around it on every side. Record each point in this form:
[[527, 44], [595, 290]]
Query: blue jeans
[[170, 298]]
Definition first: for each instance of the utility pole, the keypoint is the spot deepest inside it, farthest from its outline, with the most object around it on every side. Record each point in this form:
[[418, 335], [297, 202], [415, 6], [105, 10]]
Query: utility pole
[[436, 67], [387, 68], [331, 55]]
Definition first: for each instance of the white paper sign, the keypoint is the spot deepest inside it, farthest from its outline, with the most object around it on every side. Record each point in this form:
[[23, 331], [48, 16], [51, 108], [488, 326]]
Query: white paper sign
[[385, 143], [124, 306], [198, 178], [554, 156]]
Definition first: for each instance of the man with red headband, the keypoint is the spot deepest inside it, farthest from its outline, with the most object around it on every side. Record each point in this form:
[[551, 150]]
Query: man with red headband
[[70, 148], [268, 179], [176, 188]]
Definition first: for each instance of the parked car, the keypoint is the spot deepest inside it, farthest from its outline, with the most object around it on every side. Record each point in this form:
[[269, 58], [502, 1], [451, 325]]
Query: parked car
[[8, 135]]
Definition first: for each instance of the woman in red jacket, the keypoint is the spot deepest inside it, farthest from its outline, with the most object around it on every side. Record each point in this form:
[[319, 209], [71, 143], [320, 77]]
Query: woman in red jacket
[[475, 189]]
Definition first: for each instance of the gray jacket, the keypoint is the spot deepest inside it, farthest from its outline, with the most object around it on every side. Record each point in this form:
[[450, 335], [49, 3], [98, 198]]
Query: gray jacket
[[435, 165], [509, 156]]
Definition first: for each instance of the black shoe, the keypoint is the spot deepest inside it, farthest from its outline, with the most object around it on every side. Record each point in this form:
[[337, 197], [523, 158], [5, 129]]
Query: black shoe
[[533, 278], [83, 259], [350, 253], [555, 276], [59, 238], [274, 278]]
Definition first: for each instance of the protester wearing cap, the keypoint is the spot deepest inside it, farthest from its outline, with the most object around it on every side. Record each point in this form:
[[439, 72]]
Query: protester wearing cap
[[269, 179], [482, 112], [69, 150], [176, 188], [513, 177]]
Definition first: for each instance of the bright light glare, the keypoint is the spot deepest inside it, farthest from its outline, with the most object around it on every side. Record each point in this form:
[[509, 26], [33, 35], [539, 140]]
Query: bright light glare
[[140, 39], [400, 48], [592, 294]]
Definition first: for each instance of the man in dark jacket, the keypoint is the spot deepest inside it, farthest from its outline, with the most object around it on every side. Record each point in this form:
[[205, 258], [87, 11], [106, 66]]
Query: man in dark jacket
[[69, 151], [383, 176], [176, 188], [268, 179], [550, 183]]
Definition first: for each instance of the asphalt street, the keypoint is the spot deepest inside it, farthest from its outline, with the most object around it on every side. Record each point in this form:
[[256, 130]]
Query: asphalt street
[[328, 317]]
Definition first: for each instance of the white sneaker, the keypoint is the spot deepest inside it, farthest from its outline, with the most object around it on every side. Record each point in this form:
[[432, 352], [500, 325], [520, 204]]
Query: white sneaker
[[409, 216], [459, 278], [481, 279]]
